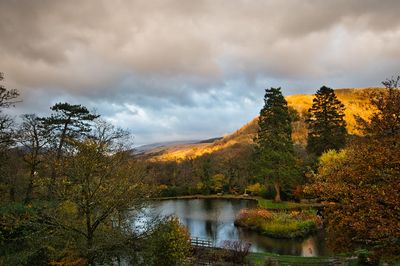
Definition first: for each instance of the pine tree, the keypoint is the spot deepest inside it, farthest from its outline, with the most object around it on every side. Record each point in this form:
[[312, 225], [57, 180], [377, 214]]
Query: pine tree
[[326, 124], [275, 151]]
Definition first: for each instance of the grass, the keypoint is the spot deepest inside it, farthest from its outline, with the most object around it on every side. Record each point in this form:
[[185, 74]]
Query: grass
[[262, 257], [285, 205], [211, 196]]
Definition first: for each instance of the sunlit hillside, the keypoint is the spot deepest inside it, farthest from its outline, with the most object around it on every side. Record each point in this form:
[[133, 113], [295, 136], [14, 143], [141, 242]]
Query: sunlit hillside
[[356, 102]]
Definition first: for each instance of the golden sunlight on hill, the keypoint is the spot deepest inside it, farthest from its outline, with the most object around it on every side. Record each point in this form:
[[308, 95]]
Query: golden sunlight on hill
[[356, 102]]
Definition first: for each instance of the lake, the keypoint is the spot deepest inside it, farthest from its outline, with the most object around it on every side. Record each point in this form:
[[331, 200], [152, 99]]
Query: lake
[[213, 219]]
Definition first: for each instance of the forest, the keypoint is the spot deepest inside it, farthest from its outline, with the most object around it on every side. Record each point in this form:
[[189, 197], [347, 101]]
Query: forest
[[71, 183]]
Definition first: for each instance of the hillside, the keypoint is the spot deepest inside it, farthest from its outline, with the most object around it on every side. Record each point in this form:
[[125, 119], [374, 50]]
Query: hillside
[[356, 102]]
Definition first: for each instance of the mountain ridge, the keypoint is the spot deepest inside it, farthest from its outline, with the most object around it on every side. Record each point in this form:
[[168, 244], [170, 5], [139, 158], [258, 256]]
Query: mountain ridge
[[356, 101]]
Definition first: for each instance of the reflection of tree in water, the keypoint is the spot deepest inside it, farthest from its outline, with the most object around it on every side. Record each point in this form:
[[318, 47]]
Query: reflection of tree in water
[[308, 247], [274, 245]]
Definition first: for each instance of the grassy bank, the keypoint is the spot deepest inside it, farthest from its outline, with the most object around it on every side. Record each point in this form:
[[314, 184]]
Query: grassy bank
[[263, 258], [285, 205], [212, 196], [279, 224]]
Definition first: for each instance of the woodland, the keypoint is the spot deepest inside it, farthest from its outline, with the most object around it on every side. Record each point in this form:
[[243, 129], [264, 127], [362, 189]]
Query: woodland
[[71, 183]]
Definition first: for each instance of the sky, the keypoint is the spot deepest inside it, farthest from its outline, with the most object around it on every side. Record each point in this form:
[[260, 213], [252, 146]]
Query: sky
[[184, 70]]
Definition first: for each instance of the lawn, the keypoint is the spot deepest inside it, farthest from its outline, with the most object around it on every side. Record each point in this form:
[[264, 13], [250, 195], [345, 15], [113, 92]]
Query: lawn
[[276, 259], [270, 204]]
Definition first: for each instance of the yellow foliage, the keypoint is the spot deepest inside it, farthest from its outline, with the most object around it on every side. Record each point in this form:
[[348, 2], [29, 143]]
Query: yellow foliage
[[68, 208], [254, 188]]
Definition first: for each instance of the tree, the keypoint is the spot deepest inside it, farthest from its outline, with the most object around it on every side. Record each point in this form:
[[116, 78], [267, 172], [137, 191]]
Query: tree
[[99, 185], [8, 98], [326, 124], [386, 120], [275, 152], [33, 135], [169, 244], [68, 122], [363, 180]]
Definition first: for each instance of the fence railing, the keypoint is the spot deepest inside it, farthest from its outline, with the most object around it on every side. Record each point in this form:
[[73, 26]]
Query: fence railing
[[201, 242]]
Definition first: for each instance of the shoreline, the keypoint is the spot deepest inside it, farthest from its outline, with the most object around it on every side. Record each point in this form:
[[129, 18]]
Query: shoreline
[[213, 196]]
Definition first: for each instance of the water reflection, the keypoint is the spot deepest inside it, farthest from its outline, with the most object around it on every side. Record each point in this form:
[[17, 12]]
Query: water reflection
[[214, 220]]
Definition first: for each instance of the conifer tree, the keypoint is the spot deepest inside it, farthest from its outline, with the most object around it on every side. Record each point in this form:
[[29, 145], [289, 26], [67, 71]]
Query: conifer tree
[[326, 124], [276, 160], [68, 122]]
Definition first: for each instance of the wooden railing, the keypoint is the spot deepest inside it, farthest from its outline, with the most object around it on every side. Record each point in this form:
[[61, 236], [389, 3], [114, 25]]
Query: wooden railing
[[201, 242]]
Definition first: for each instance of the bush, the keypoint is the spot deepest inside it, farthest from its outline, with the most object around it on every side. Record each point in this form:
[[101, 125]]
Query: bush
[[168, 244], [254, 189], [237, 250]]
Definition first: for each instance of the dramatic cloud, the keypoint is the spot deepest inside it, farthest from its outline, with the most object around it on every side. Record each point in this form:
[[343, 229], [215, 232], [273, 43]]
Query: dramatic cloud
[[171, 69]]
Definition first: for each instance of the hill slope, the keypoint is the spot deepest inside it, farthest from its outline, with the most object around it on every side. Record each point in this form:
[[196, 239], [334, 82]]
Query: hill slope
[[356, 102]]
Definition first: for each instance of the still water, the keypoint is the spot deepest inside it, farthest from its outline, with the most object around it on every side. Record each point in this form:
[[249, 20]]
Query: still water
[[214, 219]]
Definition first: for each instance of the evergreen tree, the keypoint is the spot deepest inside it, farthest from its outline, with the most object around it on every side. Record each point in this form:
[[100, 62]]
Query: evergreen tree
[[68, 122], [326, 124], [275, 152]]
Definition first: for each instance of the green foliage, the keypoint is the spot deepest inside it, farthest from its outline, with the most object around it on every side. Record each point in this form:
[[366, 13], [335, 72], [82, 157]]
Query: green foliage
[[284, 205], [169, 244], [326, 124], [276, 161], [218, 182]]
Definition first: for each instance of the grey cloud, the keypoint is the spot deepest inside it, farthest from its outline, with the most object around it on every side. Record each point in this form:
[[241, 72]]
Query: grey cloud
[[180, 59]]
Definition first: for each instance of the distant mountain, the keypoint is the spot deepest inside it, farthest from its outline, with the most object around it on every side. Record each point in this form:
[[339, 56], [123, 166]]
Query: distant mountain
[[356, 102], [153, 147]]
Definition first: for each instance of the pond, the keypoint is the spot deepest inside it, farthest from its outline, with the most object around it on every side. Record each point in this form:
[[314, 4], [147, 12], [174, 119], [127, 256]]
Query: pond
[[213, 219]]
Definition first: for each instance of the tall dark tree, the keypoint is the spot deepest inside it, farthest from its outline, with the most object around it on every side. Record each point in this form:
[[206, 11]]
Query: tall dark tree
[[8, 97], [275, 151], [68, 122], [33, 136], [326, 124]]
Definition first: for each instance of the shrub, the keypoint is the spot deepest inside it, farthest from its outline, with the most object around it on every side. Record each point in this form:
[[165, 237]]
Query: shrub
[[254, 189], [169, 244], [237, 250]]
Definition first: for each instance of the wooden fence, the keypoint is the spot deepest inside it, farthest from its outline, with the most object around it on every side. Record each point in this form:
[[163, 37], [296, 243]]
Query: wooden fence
[[202, 242]]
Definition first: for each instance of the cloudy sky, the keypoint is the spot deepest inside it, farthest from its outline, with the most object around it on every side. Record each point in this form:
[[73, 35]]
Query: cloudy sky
[[179, 70]]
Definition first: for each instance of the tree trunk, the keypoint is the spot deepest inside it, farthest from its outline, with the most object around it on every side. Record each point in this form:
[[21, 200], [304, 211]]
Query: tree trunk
[[89, 246], [29, 190], [277, 187], [12, 193]]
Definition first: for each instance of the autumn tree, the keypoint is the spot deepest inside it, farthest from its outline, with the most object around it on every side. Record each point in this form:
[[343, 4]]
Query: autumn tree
[[326, 124], [99, 185], [363, 180], [385, 121], [276, 161]]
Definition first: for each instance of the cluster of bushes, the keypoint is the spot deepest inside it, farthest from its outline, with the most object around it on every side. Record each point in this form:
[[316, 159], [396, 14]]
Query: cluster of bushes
[[282, 224]]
